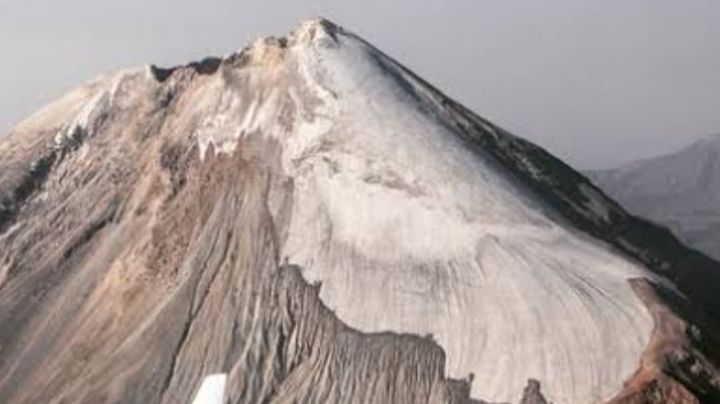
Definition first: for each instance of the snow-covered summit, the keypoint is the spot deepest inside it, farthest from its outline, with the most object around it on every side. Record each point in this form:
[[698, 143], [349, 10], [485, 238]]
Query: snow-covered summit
[[412, 231], [317, 28]]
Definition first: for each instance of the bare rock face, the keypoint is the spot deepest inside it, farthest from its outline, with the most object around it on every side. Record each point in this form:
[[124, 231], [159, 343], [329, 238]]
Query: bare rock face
[[315, 221], [532, 394]]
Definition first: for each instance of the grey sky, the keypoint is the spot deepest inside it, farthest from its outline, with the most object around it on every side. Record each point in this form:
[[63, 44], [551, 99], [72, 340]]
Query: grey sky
[[596, 82]]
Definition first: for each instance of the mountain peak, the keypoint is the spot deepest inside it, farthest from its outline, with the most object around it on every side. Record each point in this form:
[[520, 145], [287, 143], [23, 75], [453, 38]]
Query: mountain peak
[[315, 28], [311, 31], [311, 207], [267, 51]]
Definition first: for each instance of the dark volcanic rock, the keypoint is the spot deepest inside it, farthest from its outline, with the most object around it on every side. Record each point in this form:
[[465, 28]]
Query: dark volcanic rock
[[532, 394]]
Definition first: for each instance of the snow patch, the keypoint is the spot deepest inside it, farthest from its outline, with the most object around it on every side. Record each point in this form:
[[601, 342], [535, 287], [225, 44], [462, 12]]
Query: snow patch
[[105, 93], [212, 390]]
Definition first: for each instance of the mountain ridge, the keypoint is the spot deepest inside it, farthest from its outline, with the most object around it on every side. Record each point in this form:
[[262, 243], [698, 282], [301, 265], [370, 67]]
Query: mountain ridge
[[678, 190]]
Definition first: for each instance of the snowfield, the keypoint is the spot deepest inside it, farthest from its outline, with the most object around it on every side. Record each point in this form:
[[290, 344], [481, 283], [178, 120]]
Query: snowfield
[[411, 231]]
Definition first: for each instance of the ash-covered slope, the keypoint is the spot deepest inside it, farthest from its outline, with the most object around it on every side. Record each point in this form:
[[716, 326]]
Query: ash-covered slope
[[316, 221], [680, 190]]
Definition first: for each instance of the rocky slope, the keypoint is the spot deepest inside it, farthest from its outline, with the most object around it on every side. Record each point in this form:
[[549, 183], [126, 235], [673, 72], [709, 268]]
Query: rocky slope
[[680, 190], [315, 221]]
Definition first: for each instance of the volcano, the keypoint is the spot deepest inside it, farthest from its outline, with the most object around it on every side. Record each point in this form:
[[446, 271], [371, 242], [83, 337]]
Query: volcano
[[315, 223]]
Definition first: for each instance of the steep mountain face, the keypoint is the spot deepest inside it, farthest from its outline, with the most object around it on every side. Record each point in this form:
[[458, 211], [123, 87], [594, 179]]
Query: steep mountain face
[[318, 223], [680, 190]]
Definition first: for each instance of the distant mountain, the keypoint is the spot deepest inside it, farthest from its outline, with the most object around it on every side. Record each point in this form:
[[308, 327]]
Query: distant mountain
[[679, 190], [307, 221]]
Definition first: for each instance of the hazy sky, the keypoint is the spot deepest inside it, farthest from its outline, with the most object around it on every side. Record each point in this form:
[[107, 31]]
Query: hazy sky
[[596, 82]]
